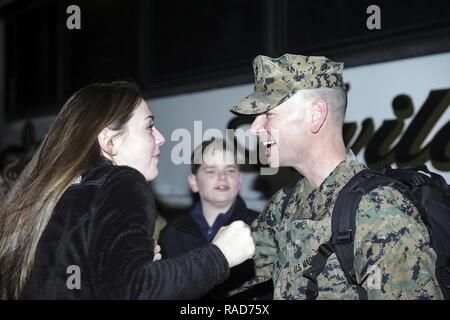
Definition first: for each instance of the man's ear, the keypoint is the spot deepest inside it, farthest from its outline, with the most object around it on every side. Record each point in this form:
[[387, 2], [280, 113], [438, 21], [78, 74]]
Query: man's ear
[[107, 146], [319, 112], [192, 181]]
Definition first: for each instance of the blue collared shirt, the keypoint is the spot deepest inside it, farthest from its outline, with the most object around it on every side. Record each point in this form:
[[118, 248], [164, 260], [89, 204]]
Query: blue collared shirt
[[207, 231]]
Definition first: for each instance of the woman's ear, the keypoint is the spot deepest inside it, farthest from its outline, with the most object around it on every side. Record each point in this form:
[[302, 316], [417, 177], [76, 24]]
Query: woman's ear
[[192, 181], [107, 146], [319, 111]]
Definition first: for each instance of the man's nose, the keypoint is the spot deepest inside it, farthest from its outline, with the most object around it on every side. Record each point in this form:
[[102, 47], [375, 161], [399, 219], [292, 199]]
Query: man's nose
[[222, 175]]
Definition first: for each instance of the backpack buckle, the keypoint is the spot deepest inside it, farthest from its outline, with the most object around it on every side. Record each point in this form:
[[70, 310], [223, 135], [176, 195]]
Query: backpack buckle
[[325, 250], [417, 180], [344, 237], [369, 174]]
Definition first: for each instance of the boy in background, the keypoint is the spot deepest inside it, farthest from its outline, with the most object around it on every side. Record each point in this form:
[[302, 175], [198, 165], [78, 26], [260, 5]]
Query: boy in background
[[216, 177]]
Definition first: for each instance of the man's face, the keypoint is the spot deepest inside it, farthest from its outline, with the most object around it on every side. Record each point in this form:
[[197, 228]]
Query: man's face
[[218, 179], [282, 131]]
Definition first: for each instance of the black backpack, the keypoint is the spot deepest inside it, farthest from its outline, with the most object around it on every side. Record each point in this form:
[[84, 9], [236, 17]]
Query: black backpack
[[427, 190]]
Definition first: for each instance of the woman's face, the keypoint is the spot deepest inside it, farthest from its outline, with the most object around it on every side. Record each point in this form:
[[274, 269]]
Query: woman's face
[[138, 147]]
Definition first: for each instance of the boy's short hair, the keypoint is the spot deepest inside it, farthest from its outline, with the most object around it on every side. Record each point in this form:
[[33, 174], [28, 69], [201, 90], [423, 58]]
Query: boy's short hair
[[197, 155]]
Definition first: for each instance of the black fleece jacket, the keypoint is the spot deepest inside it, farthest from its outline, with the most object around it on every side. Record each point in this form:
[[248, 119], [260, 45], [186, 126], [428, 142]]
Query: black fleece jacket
[[103, 226]]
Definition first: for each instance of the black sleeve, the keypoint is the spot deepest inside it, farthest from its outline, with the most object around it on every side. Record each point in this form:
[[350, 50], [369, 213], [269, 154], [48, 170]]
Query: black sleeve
[[166, 241], [121, 248]]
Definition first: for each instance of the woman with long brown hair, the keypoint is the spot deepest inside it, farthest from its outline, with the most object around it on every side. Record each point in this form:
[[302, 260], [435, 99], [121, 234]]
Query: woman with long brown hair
[[78, 222]]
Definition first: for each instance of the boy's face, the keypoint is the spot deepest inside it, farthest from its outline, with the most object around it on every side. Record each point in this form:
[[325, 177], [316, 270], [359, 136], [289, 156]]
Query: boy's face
[[218, 179]]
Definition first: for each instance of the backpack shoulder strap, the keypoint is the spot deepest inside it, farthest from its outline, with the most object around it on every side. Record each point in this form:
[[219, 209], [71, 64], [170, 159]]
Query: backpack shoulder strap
[[318, 263], [343, 220], [343, 228]]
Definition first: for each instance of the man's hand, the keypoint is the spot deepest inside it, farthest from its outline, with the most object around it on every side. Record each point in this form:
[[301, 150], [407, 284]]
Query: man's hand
[[235, 242]]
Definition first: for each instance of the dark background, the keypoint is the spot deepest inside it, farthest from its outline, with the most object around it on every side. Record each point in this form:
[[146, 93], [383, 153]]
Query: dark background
[[173, 47]]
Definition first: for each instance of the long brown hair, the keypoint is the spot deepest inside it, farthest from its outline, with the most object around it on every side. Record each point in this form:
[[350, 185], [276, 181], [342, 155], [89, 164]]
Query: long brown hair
[[69, 149]]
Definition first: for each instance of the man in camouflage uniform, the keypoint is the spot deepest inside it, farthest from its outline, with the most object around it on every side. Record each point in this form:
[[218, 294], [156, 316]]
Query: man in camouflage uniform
[[299, 103]]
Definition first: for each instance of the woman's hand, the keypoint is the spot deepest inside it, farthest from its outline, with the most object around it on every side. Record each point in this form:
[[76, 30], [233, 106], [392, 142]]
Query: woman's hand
[[157, 252], [235, 242]]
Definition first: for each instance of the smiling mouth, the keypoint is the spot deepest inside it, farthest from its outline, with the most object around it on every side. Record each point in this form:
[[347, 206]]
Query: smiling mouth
[[222, 188]]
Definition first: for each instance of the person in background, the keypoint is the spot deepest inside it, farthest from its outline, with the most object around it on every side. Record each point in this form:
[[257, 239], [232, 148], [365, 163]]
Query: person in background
[[216, 178], [12, 161]]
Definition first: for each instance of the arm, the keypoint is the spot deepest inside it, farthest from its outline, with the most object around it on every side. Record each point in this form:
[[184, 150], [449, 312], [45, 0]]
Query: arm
[[266, 250], [263, 233], [166, 241], [121, 248], [393, 256]]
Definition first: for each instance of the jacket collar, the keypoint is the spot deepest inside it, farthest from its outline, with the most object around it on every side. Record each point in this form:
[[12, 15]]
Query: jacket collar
[[186, 223]]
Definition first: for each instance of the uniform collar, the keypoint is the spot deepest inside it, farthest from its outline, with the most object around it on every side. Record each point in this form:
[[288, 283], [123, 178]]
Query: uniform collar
[[316, 203]]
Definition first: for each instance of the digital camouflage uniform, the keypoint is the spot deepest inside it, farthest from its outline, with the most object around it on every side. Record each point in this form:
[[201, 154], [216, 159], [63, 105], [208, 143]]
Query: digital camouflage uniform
[[393, 257], [389, 235]]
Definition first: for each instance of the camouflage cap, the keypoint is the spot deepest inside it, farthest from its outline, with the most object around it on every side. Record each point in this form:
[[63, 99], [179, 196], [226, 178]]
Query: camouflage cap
[[277, 79]]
